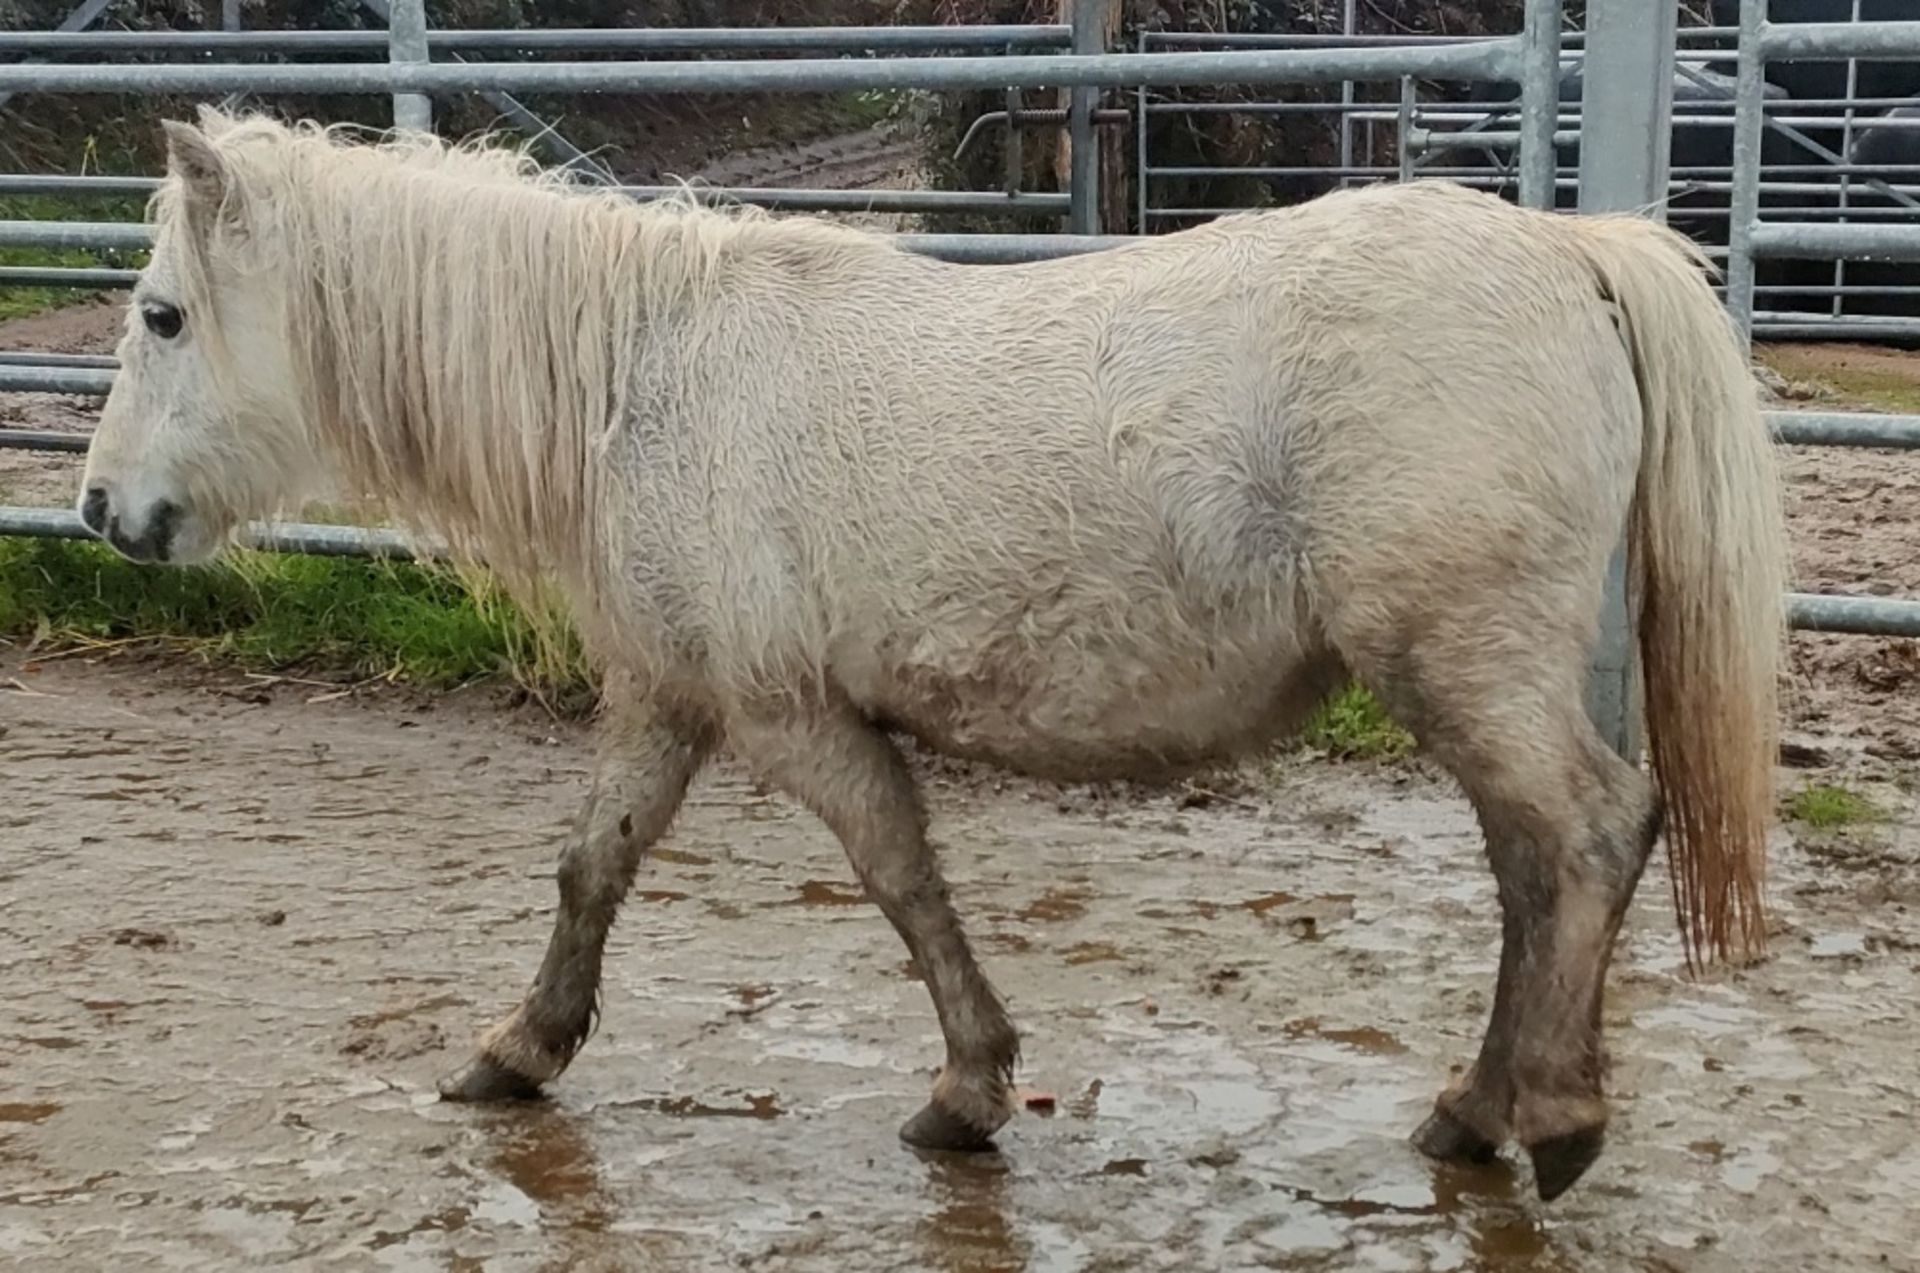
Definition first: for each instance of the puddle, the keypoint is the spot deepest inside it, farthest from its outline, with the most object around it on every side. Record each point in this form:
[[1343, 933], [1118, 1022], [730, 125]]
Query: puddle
[[1056, 905], [765, 1105], [826, 893], [28, 1112]]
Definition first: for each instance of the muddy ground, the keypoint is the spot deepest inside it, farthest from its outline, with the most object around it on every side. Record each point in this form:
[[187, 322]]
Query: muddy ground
[[247, 923], [244, 924]]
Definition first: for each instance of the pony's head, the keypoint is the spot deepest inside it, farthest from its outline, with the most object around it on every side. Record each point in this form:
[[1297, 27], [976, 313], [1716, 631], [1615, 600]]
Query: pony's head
[[200, 431]]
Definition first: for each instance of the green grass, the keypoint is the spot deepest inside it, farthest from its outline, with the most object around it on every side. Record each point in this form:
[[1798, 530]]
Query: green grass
[[342, 617], [1880, 388], [1825, 807], [1353, 726]]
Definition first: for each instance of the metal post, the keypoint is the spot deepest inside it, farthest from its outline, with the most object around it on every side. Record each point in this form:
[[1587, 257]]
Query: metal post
[[1083, 177], [1403, 151], [1347, 18], [1141, 166], [1749, 95], [1539, 104], [229, 15], [1626, 131], [1847, 138], [407, 42]]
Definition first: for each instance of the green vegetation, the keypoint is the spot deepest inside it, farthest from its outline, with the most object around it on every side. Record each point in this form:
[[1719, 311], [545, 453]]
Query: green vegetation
[[1826, 807], [1875, 383], [1353, 726], [340, 617]]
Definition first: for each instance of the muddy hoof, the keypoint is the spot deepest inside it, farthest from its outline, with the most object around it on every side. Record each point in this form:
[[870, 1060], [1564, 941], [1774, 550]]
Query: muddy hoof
[[1445, 1137], [1558, 1161], [485, 1079], [935, 1128]]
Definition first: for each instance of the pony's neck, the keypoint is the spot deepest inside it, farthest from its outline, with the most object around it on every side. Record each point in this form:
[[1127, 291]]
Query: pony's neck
[[469, 346]]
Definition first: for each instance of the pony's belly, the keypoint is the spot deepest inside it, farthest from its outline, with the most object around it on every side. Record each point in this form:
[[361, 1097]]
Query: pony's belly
[[1115, 726]]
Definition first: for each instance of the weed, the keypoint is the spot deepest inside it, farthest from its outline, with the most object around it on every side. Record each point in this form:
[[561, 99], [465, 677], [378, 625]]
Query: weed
[[1827, 807]]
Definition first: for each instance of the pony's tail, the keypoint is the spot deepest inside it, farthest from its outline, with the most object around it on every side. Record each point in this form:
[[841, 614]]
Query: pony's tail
[[1708, 558]]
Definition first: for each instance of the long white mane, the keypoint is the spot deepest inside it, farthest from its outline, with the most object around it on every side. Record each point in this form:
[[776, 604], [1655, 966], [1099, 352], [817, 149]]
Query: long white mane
[[468, 329]]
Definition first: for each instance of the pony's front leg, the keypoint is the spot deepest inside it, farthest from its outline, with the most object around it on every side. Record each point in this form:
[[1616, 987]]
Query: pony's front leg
[[640, 778], [852, 777]]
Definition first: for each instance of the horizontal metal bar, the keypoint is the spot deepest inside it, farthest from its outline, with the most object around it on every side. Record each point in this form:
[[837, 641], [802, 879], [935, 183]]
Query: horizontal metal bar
[[1482, 59], [760, 196], [1868, 212], [569, 39], [1423, 140], [79, 381], [1276, 40], [1815, 327], [1837, 41], [987, 248], [63, 183], [61, 235], [62, 276], [864, 200], [1283, 40], [1832, 428], [1794, 187], [1828, 289], [43, 440], [312, 538], [34, 358], [1861, 616], [1809, 241]]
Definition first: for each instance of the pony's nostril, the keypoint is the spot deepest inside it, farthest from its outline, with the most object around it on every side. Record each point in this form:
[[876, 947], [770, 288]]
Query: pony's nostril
[[166, 520], [93, 510]]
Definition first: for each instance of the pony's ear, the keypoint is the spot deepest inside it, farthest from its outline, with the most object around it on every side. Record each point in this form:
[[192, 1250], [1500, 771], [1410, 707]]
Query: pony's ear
[[214, 122], [191, 156]]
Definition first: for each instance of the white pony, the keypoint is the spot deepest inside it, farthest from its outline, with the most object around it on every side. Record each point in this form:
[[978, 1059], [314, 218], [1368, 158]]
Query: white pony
[[1119, 514]]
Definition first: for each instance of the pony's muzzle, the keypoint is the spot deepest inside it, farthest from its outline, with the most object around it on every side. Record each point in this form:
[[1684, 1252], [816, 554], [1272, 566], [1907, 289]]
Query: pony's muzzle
[[148, 539]]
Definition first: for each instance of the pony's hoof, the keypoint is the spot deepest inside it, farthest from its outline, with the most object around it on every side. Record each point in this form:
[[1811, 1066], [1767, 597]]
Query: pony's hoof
[[1558, 1161], [485, 1079], [936, 1128], [1448, 1139]]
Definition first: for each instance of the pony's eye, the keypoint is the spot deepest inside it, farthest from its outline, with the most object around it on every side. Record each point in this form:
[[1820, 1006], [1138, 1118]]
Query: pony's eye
[[162, 320]]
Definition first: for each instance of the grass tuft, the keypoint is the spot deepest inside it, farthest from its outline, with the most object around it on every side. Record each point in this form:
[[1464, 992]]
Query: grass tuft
[[1826, 807], [1353, 726], [341, 616]]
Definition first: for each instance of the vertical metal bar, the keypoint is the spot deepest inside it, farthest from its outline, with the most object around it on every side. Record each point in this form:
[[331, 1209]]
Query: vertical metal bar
[[1347, 18], [1539, 104], [1406, 127], [1626, 134], [407, 42], [1015, 155], [1744, 202], [1846, 179], [230, 21], [1140, 159], [1083, 156]]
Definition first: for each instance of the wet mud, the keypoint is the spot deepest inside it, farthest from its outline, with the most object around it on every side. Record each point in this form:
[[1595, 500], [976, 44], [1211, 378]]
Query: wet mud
[[243, 932]]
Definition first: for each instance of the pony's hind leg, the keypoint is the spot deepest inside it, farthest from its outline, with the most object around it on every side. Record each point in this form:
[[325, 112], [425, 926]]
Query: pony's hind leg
[[640, 777], [852, 777], [1568, 826]]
